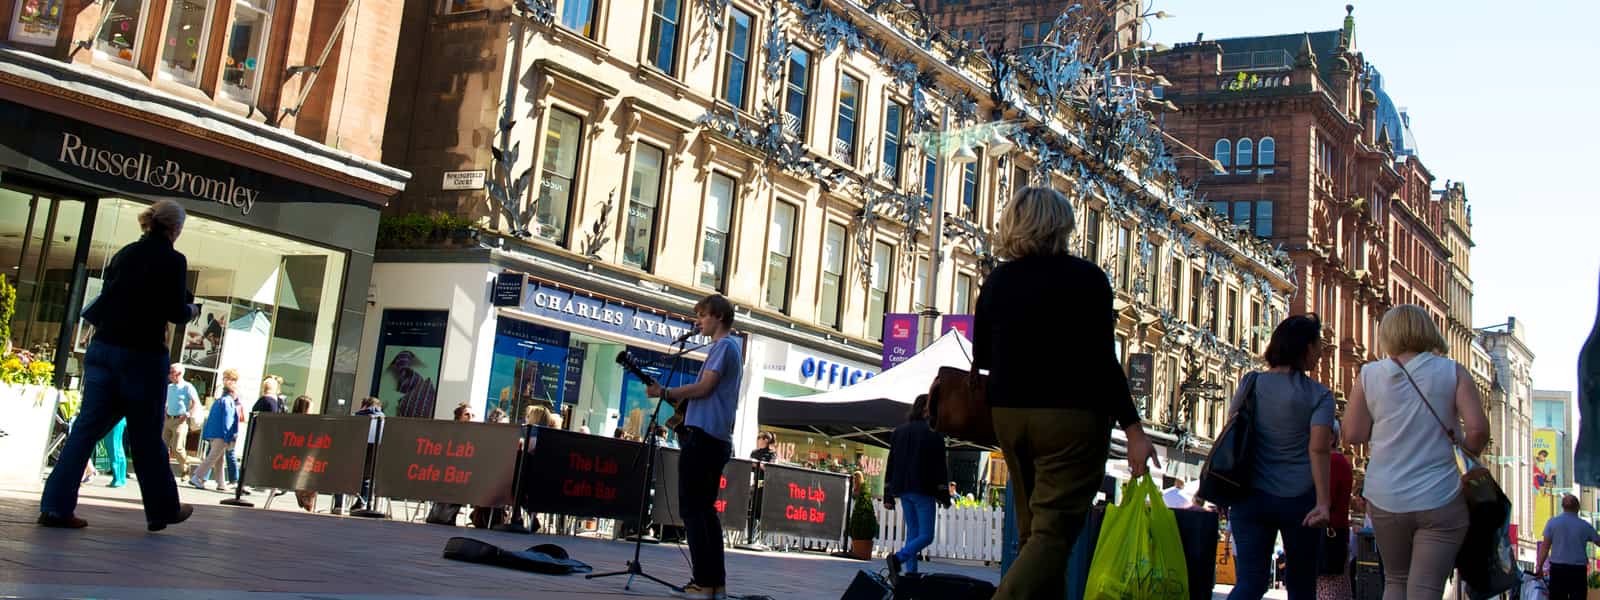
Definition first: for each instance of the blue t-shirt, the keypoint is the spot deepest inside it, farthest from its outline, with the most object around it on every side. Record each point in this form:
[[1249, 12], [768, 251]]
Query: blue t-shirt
[[180, 398], [1568, 536], [1286, 405], [714, 413]]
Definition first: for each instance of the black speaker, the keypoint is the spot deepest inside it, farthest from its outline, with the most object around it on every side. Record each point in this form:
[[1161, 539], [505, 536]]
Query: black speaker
[[868, 586]]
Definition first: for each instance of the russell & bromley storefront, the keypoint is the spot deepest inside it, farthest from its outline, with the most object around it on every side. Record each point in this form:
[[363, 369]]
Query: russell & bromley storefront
[[279, 236]]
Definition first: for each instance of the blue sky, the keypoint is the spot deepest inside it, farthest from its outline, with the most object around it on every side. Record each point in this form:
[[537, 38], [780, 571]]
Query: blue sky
[[1499, 99]]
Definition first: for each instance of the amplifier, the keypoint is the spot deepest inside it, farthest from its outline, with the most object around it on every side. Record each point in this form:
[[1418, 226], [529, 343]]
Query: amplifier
[[868, 586]]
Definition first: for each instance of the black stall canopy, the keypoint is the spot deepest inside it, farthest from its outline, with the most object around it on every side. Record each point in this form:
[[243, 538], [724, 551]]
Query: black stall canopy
[[868, 411]]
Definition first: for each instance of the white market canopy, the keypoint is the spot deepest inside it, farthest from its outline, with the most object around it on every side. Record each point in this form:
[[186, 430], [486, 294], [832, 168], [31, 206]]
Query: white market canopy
[[869, 409]]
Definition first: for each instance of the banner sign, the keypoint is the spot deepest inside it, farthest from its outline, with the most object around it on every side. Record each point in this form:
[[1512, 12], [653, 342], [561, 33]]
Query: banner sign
[[447, 461], [508, 288], [733, 493], [583, 475], [411, 352], [1546, 476], [568, 306], [1141, 370], [307, 452], [899, 338], [961, 323], [803, 503]]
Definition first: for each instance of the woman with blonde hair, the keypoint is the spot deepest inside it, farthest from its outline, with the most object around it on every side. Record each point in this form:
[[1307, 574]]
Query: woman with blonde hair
[[125, 369], [1412, 407], [1054, 392]]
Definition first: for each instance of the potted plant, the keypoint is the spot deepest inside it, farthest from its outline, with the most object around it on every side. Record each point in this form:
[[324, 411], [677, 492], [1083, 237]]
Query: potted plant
[[863, 526]]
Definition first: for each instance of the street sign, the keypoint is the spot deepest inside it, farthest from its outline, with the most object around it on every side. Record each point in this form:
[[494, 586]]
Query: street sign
[[508, 288], [1141, 369], [464, 180]]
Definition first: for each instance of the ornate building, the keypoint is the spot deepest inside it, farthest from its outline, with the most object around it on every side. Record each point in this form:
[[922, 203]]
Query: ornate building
[[792, 155], [1510, 408], [1312, 154], [1010, 24]]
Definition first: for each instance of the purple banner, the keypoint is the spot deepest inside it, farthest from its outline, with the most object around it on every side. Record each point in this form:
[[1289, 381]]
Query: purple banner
[[961, 323], [899, 338]]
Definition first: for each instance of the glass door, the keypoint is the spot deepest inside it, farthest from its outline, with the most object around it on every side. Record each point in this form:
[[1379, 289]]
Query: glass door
[[39, 239]]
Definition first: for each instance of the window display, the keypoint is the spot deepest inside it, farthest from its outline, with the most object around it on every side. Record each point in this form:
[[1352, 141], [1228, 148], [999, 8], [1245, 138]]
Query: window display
[[38, 22]]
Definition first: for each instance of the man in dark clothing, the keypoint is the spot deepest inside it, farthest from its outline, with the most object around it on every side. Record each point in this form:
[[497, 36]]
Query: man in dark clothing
[[125, 371], [916, 474]]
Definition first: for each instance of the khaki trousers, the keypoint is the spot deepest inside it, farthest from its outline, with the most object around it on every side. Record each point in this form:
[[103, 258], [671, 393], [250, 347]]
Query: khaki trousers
[[176, 433], [216, 455], [1057, 461], [1419, 548]]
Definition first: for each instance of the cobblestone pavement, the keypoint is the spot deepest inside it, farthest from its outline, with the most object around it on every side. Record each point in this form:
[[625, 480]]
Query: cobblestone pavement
[[283, 553]]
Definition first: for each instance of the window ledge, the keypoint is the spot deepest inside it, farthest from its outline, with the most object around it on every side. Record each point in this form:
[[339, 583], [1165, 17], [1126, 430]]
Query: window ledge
[[597, 52], [648, 73]]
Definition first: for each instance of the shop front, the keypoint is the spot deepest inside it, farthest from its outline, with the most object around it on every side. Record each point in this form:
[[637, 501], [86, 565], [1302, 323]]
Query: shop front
[[790, 370], [278, 256]]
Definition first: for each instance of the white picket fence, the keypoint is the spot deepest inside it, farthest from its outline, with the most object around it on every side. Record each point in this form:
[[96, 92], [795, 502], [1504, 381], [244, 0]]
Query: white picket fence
[[961, 533]]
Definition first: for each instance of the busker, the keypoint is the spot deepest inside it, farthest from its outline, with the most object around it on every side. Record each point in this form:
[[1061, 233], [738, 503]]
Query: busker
[[125, 367], [706, 438]]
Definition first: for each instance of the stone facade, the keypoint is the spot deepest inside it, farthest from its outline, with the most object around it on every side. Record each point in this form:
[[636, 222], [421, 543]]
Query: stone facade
[[1511, 420], [1008, 24]]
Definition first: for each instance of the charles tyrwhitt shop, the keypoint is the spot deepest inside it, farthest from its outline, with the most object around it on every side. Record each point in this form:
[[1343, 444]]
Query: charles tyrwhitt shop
[[279, 236]]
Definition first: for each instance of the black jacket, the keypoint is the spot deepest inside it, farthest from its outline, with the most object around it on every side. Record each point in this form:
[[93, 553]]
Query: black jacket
[[144, 291], [917, 463], [1046, 331], [268, 404]]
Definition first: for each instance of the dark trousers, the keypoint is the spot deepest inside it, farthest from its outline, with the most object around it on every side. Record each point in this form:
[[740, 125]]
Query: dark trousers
[[119, 383], [1256, 523], [1568, 582], [699, 479]]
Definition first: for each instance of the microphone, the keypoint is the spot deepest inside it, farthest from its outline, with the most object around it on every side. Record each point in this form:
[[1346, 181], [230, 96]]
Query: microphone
[[693, 331]]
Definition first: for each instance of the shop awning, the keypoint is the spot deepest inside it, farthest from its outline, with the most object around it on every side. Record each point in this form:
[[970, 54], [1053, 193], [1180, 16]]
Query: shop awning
[[867, 411]]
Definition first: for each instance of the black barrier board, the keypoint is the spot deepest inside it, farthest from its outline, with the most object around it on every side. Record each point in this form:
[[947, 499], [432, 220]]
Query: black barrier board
[[307, 452], [733, 497], [803, 502], [583, 475], [447, 461]]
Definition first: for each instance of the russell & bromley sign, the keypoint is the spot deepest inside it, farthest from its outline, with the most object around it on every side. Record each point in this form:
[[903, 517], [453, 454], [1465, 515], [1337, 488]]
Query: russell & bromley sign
[[168, 174]]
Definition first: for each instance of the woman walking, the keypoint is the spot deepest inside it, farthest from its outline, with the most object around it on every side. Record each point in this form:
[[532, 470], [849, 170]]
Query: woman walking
[[915, 475], [1399, 405], [125, 369], [1054, 393], [1289, 478], [1334, 545], [220, 431]]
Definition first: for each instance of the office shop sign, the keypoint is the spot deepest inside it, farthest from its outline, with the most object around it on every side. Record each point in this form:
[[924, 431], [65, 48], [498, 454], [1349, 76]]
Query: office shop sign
[[165, 174], [571, 307]]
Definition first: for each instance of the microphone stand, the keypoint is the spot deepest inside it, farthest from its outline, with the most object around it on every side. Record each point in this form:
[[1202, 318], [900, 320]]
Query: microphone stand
[[634, 567]]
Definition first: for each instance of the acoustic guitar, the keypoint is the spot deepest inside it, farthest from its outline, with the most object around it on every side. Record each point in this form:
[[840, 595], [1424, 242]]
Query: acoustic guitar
[[678, 404]]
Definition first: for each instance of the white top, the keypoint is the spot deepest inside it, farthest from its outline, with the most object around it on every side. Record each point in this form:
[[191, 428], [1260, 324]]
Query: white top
[[1175, 498], [1413, 466]]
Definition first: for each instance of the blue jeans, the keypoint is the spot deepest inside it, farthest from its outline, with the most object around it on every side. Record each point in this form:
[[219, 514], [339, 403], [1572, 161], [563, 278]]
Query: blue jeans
[[119, 456], [119, 383], [1256, 523], [919, 511]]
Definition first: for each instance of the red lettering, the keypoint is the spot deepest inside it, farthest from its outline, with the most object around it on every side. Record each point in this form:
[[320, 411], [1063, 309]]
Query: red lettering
[[722, 506], [579, 462], [576, 489], [724, 482], [456, 476], [417, 472], [797, 492]]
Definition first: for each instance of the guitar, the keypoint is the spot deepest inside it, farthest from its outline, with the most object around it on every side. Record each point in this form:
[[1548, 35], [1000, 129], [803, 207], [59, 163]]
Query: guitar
[[678, 404]]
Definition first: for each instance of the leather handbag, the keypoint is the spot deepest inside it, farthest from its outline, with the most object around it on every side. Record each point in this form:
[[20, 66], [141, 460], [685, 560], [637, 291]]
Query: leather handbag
[[958, 405], [1333, 550], [1486, 563], [1225, 478]]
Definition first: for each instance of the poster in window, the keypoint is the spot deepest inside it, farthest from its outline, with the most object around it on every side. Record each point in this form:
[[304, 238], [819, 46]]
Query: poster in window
[[203, 336], [410, 349], [529, 367]]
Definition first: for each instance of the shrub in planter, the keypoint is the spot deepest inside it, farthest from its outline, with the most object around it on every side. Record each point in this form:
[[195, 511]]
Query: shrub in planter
[[862, 527]]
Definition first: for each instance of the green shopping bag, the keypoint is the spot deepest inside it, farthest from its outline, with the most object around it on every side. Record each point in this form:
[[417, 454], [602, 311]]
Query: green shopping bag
[[1139, 554]]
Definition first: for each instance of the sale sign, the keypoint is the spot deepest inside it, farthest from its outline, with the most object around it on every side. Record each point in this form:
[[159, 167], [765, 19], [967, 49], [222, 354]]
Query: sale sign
[[307, 452], [447, 461], [803, 502]]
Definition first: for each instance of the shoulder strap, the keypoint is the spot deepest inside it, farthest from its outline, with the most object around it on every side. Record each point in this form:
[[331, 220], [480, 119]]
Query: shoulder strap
[[1448, 434], [1249, 383]]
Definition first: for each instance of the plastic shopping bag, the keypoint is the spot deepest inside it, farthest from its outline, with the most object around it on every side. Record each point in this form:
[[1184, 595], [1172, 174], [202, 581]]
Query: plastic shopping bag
[[1533, 588], [1139, 554]]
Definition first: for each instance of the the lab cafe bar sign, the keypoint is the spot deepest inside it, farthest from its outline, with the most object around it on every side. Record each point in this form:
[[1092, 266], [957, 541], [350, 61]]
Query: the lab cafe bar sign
[[819, 372]]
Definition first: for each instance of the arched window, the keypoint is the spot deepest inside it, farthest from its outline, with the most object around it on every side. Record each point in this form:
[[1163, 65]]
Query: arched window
[[1268, 153], [1245, 157], [1224, 152]]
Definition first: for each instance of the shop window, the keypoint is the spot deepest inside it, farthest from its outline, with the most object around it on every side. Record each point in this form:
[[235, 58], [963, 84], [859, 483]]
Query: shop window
[[38, 242], [780, 255], [844, 140], [963, 294], [714, 240], [563, 140], [644, 198], [247, 45], [736, 77], [878, 287], [121, 31], [579, 16], [268, 304], [930, 179], [893, 121], [37, 21], [185, 41], [833, 252], [969, 190], [797, 93], [664, 35]]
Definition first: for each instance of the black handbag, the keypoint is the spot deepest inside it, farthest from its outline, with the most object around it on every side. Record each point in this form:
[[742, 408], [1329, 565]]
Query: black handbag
[[1333, 551], [1486, 563], [1225, 478]]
